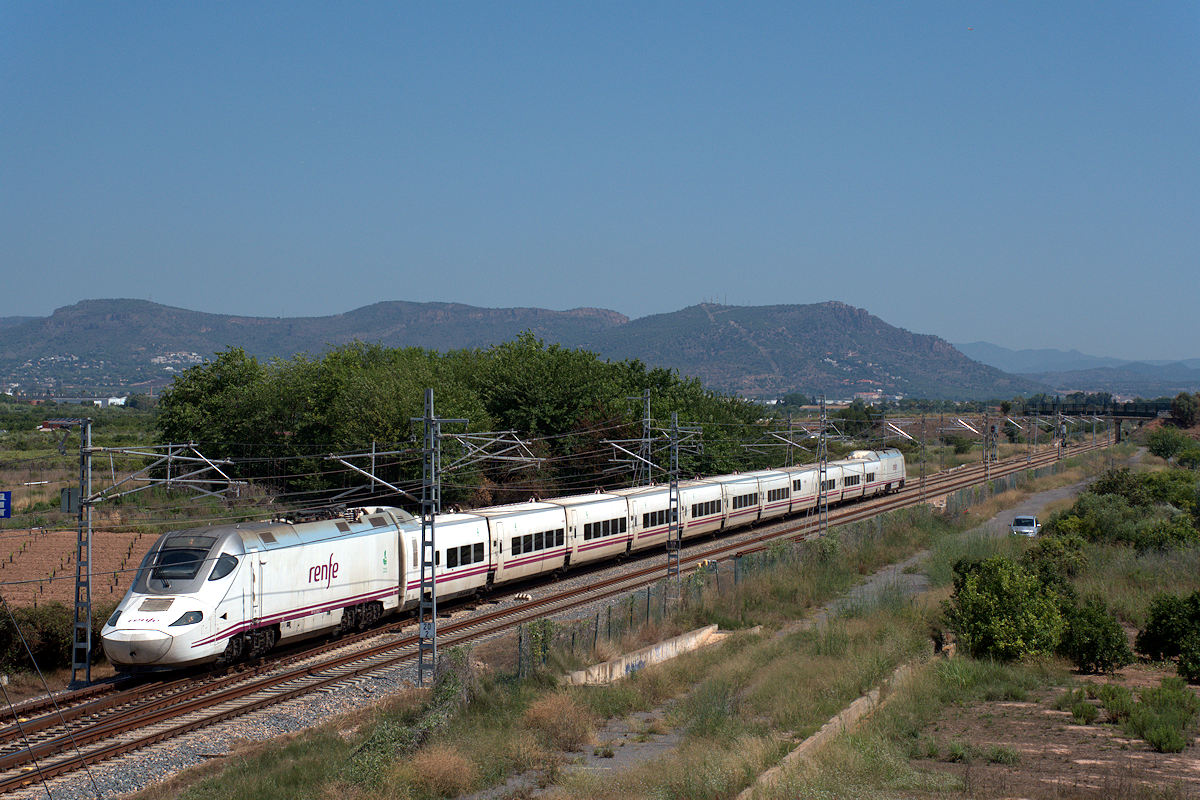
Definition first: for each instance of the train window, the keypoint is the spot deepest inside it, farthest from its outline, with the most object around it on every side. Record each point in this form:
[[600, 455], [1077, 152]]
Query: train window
[[177, 564], [559, 537], [516, 546], [527, 543], [451, 558], [225, 565], [464, 554], [796, 485], [606, 528], [538, 541], [478, 552]]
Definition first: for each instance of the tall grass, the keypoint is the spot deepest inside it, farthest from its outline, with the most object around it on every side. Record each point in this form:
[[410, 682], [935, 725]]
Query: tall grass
[[874, 760]]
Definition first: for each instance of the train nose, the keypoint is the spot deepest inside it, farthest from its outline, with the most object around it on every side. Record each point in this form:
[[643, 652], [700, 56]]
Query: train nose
[[136, 647]]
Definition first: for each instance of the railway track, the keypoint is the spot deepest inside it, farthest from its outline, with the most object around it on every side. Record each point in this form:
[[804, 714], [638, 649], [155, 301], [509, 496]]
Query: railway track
[[80, 728]]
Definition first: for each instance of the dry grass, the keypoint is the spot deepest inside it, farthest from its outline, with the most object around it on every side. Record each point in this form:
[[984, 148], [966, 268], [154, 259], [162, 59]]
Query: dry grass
[[440, 770], [561, 721]]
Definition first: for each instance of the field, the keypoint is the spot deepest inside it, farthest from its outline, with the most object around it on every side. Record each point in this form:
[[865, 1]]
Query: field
[[38, 566]]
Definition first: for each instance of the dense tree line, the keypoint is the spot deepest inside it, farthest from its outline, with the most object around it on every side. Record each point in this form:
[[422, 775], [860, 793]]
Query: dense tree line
[[279, 419]]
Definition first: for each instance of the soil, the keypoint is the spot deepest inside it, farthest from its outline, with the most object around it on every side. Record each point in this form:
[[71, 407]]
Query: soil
[[1058, 758], [39, 565]]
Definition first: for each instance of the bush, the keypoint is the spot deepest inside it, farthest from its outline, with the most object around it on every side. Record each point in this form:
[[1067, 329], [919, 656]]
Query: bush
[[1117, 701], [1056, 559], [1189, 657], [1185, 409], [1189, 457], [1093, 638], [1165, 739], [1084, 713], [1001, 610], [1171, 707], [562, 722], [1168, 442], [1171, 618], [48, 631]]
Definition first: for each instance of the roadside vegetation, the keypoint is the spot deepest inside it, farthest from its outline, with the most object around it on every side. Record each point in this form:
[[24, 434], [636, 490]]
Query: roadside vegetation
[[735, 709]]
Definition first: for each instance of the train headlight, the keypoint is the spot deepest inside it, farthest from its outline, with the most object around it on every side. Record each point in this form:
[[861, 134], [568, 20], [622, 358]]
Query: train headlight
[[190, 618], [112, 621]]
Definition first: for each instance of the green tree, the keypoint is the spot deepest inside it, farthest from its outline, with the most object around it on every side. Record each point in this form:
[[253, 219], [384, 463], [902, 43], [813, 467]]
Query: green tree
[[1093, 638], [1185, 409], [1168, 442], [1001, 610]]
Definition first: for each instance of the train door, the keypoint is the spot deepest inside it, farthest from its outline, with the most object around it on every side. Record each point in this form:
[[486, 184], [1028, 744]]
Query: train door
[[254, 598]]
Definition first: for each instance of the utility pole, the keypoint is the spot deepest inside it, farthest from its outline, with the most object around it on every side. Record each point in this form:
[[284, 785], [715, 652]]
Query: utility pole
[[679, 434], [822, 472], [431, 505], [922, 456], [642, 475], [942, 446], [81, 503]]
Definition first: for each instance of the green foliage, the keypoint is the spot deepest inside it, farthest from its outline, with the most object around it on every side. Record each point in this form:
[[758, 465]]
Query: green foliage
[[1084, 713], [1166, 716], [287, 415], [1170, 620], [1155, 511], [1185, 409], [1093, 638], [1168, 442], [1118, 701], [1056, 559], [961, 444], [1189, 656], [46, 633], [1001, 610]]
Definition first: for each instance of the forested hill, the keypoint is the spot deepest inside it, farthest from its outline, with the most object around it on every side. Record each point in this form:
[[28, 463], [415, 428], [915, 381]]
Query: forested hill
[[825, 347]]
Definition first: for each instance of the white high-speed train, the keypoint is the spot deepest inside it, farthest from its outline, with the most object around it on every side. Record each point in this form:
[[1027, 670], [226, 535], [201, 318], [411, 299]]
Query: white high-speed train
[[227, 592]]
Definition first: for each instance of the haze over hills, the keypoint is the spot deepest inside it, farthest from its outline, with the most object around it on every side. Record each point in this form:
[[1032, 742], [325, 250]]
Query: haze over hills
[[1070, 370], [754, 351]]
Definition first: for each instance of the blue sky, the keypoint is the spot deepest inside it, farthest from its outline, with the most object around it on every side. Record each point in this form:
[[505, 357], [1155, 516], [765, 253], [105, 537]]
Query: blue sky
[[1023, 173]]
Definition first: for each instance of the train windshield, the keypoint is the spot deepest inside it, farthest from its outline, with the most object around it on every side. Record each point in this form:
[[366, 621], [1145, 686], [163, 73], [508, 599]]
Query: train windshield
[[177, 564], [174, 566]]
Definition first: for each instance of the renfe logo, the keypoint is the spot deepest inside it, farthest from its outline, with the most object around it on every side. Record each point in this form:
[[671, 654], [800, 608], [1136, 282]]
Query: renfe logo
[[323, 572]]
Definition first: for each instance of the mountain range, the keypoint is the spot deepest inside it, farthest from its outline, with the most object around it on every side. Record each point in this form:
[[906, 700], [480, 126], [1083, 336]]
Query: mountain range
[[754, 351], [1070, 370]]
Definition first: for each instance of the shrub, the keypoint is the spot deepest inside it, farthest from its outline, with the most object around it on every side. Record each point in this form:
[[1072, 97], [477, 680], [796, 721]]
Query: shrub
[[1117, 701], [1001, 610], [1171, 618], [1170, 707], [1165, 739], [1093, 639], [442, 771], [1002, 755], [561, 721], [1056, 559], [1189, 657], [1185, 409], [47, 630], [1084, 713], [1189, 457], [1123, 483], [1167, 442]]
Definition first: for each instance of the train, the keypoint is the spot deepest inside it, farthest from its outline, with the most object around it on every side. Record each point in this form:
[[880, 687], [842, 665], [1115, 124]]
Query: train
[[220, 594]]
